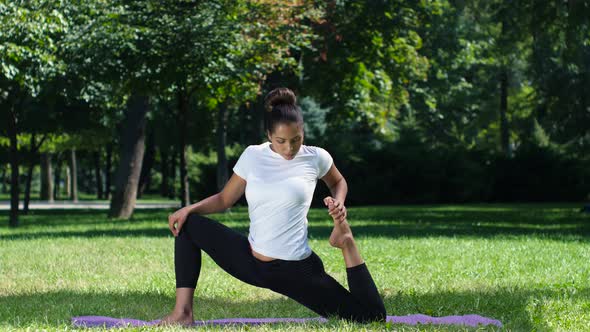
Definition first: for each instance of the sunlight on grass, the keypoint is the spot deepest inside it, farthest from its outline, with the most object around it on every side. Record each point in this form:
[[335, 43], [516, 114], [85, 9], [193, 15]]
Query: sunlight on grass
[[524, 265]]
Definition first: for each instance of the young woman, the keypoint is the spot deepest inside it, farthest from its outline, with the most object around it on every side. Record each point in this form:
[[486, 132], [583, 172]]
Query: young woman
[[278, 178]]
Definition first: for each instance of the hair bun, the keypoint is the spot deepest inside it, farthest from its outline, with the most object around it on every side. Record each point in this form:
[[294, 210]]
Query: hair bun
[[279, 96]]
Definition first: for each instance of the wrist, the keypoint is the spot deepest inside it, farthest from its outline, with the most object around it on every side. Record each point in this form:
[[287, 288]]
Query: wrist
[[339, 197], [189, 209]]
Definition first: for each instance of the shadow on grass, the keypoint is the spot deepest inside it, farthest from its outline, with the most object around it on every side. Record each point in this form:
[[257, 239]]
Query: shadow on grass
[[65, 217], [393, 222], [515, 308], [78, 217]]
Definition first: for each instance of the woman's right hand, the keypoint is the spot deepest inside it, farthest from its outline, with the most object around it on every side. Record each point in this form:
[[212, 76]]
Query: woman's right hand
[[177, 218]]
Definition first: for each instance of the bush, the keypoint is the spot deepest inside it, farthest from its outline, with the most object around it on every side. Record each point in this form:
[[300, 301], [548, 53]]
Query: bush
[[411, 172], [540, 174]]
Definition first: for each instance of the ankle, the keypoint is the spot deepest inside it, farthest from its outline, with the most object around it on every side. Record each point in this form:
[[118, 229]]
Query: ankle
[[184, 311], [348, 243]]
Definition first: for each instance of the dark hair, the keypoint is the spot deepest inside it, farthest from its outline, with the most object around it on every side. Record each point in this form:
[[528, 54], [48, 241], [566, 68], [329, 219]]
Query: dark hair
[[281, 107]]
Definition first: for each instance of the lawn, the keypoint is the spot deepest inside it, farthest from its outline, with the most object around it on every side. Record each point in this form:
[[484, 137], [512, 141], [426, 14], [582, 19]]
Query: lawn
[[526, 265]]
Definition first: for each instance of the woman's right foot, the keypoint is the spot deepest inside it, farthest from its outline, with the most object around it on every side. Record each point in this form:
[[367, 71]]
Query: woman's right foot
[[341, 236], [177, 318]]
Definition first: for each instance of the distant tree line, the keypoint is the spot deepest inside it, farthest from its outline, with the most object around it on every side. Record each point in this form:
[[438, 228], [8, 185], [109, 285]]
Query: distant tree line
[[418, 101]]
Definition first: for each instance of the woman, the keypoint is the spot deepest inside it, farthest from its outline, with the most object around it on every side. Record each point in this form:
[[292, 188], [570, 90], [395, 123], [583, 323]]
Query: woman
[[278, 178]]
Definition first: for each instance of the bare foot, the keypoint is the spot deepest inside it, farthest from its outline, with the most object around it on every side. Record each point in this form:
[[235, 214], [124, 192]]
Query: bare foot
[[177, 318], [341, 236]]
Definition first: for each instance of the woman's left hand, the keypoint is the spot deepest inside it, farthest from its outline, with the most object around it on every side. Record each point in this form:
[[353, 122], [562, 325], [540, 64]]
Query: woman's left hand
[[336, 209]]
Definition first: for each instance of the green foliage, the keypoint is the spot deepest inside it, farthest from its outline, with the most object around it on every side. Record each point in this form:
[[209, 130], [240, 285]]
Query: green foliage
[[256, 38], [410, 170], [28, 53], [540, 137], [24, 141], [202, 169], [560, 71], [413, 86], [370, 54], [314, 117]]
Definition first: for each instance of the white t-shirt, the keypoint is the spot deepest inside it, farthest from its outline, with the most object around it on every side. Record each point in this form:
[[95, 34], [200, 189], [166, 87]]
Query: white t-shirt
[[279, 193]]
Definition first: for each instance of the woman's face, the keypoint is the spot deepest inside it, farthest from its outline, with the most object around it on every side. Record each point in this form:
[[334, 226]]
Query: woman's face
[[286, 139]]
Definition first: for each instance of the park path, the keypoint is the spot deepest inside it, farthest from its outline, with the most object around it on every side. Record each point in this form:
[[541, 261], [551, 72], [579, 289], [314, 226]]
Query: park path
[[45, 205]]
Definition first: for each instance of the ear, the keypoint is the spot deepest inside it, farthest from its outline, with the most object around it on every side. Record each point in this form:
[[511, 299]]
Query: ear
[[302, 135], [268, 136]]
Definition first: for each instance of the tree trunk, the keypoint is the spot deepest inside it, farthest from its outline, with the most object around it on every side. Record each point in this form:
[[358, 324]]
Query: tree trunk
[[97, 174], [29, 177], [57, 178], [148, 162], [131, 157], [68, 179], [14, 186], [172, 192], [504, 132], [221, 142], [73, 176], [107, 172], [28, 188], [3, 179], [46, 178], [182, 124], [164, 169]]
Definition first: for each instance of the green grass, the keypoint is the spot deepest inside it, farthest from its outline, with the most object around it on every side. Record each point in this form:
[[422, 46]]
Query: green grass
[[526, 265]]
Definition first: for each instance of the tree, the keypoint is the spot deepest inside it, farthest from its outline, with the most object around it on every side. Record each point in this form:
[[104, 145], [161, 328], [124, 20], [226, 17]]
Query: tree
[[220, 62], [27, 60], [369, 51], [122, 37], [560, 71], [269, 33]]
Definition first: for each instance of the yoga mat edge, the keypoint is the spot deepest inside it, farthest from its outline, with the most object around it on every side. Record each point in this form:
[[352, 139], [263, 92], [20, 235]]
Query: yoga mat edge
[[469, 320]]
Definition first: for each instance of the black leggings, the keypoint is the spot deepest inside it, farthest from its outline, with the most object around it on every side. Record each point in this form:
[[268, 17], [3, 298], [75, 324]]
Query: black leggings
[[304, 281]]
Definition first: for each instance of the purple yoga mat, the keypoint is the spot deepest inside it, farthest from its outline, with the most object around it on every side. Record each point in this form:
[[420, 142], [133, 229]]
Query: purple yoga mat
[[470, 320]]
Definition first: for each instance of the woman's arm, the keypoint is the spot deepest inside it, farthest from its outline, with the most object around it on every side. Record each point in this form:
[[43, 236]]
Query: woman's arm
[[338, 187], [233, 190]]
